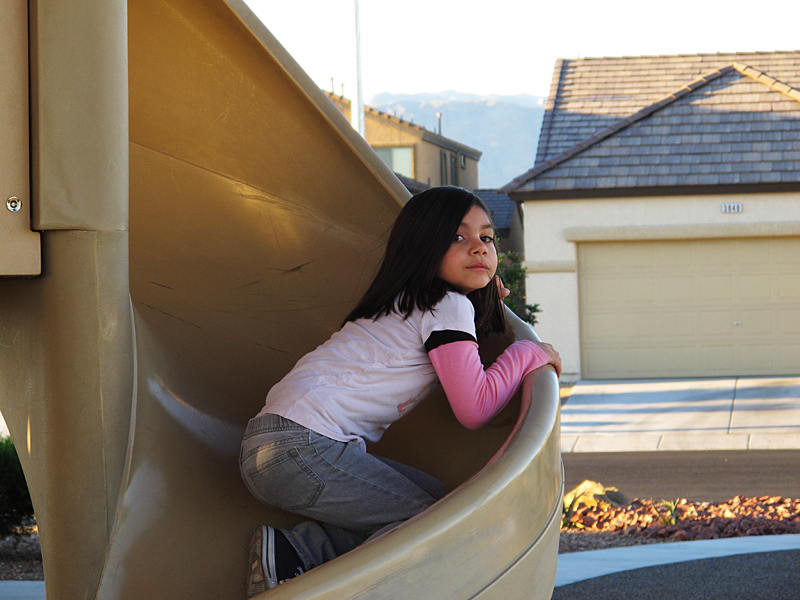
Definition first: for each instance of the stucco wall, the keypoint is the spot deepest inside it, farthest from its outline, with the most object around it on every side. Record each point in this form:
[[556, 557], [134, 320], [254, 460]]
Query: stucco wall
[[379, 133], [553, 228], [428, 166]]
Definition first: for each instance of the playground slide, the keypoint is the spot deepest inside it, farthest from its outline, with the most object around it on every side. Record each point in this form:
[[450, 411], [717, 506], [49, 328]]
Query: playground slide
[[190, 255]]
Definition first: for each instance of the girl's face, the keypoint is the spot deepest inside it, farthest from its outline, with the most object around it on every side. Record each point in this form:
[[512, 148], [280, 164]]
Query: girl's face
[[471, 261]]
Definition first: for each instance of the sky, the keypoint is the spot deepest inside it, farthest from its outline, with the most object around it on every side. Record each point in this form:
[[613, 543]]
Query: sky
[[506, 47]]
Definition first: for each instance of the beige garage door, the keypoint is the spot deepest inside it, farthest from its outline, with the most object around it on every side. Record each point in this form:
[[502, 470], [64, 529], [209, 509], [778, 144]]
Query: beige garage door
[[690, 308]]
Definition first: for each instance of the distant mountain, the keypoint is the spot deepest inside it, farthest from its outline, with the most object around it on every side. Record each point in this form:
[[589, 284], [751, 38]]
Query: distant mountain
[[504, 128]]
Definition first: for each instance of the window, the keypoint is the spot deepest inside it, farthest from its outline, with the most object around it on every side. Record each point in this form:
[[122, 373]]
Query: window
[[453, 170], [398, 159], [443, 167], [463, 158]]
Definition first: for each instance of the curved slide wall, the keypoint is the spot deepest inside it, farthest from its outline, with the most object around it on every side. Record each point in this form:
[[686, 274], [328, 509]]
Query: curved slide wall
[[130, 367]]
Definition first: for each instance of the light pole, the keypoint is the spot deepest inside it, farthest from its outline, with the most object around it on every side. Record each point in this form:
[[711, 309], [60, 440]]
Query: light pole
[[360, 127]]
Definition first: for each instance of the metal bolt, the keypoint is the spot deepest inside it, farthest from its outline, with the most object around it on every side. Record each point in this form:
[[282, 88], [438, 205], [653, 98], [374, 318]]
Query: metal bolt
[[14, 204]]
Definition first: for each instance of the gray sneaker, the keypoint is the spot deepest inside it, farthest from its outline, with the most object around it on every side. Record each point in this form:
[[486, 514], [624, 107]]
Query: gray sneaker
[[263, 575], [261, 578]]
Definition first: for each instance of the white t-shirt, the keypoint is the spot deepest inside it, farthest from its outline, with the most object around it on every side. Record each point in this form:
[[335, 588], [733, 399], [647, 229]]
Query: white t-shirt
[[369, 374]]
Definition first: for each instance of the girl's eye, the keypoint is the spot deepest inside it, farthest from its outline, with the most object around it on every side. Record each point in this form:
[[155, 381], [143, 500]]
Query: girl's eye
[[458, 237], [488, 239]]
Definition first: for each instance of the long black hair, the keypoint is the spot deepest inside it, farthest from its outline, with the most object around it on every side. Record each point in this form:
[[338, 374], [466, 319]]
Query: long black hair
[[420, 237]]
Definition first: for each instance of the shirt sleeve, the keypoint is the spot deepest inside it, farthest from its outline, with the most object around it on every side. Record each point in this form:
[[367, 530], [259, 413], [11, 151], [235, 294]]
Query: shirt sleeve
[[475, 395], [453, 313]]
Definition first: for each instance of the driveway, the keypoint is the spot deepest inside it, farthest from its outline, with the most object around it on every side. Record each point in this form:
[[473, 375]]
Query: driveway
[[731, 413]]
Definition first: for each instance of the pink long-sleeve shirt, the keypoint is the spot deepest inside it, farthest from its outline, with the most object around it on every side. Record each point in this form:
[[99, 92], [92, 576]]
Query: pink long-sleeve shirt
[[475, 395]]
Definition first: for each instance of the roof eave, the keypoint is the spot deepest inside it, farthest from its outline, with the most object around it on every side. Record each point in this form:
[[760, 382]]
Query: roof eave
[[653, 191]]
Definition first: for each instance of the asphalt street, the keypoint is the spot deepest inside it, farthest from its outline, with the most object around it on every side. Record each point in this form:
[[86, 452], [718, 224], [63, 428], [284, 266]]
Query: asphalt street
[[773, 575]]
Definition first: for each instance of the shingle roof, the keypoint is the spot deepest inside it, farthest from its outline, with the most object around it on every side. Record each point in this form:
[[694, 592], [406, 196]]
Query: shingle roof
[[500, 205], [725, 119], [412, 185]]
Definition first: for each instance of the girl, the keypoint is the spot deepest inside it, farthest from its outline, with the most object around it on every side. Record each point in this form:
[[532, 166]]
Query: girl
[[416, 326]]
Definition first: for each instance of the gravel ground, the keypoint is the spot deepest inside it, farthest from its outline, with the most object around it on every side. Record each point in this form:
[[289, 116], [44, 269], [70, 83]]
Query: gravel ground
[[21, 556], [579, 541]]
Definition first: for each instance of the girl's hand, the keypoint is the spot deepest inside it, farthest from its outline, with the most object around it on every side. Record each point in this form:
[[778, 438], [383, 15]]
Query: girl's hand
[[501, 289], [554, 358]]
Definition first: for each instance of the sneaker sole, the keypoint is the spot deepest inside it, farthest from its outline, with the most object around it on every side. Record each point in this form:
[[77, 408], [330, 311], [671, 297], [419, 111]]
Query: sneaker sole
[[268, 556]]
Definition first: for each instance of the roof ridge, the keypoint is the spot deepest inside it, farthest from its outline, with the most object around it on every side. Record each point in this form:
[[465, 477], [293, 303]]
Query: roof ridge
[[549, 108], [700, 55], [618, 126], [767, 80]]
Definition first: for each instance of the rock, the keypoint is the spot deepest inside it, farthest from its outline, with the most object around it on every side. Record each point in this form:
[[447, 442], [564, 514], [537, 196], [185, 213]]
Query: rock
[[588, 521]]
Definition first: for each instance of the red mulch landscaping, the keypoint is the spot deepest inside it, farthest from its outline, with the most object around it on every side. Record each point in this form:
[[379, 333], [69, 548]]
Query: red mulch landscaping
[[684, 521]]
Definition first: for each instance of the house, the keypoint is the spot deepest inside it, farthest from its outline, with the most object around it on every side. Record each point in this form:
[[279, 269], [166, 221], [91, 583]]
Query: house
[[507, 218], [662, 215], [415, 152]]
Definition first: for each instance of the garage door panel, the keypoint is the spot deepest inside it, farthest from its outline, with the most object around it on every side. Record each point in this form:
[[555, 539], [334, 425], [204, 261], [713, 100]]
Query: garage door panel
[[714, 287], [690, 308], [788, 320], [716, 358], [623, 361], [756, 324], [682, 257], [629, 326], [678, 359], [718, 258], [601, 291], [604, 324], [785, 360], [752, 286], [679, 288], [788, 285], [607, 291], [752, 255], [758, 356], [787, 259], [663, 326], [716, 323], [638, 290]]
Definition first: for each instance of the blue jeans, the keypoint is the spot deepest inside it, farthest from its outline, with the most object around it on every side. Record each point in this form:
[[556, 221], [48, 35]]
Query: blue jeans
[[353, 495]]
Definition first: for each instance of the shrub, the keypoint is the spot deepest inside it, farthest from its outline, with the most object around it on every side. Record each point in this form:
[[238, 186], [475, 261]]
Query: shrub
[[513, 275], [15, 501]]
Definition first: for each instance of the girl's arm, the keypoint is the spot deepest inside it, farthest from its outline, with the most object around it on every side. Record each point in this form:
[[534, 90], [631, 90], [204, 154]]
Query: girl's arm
[[475, 395]]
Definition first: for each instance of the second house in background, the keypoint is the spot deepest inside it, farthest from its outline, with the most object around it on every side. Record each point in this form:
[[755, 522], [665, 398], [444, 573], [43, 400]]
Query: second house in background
[[662, 216], [414, 152]]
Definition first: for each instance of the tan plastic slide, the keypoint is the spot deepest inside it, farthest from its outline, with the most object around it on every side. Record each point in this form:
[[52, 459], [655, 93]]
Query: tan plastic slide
[[206, 218]]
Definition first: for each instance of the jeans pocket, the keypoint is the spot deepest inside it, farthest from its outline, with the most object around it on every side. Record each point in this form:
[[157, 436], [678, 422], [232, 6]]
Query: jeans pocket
[[283, 480]]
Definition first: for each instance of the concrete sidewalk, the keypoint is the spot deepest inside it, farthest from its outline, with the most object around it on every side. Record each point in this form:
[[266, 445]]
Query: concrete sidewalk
[[733, 413], [22, 590]]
